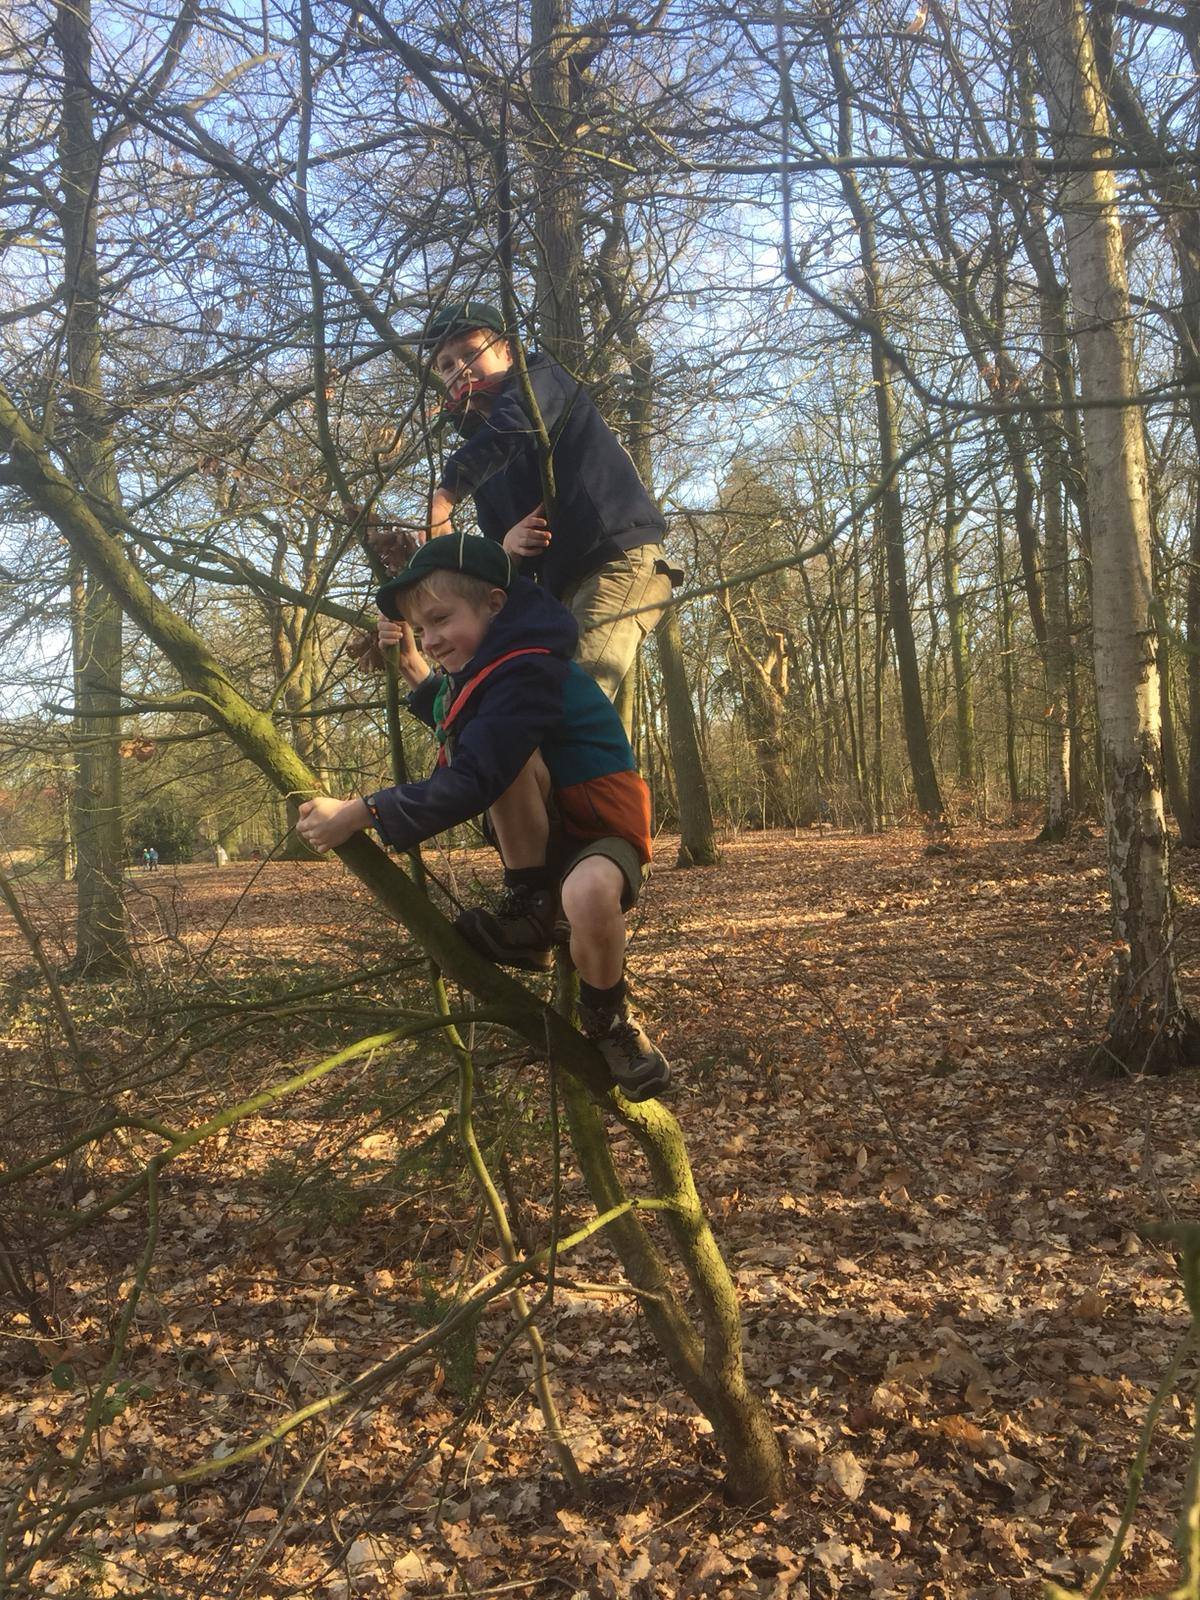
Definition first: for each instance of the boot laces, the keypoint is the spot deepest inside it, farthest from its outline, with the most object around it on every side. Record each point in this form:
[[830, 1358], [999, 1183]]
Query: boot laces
[[516, 900]]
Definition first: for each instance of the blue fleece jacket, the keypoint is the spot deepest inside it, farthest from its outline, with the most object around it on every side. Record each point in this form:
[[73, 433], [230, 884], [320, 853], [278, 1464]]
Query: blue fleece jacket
[[603, 506], [533, 702]]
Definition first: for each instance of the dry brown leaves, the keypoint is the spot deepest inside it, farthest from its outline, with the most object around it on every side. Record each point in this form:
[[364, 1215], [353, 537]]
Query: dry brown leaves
[[930, 1215]]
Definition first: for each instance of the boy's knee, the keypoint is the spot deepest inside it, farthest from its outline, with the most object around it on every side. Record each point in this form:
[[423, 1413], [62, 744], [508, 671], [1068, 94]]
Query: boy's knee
[[592, 892]]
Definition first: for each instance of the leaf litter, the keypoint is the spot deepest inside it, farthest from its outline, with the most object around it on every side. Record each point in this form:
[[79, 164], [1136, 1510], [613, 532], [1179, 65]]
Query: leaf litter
[[930, 1214]]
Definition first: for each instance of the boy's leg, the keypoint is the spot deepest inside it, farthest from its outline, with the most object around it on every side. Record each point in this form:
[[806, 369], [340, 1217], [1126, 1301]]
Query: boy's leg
[[521, 817], [607, 648], [518, 932], [594, 892], [591, 902]]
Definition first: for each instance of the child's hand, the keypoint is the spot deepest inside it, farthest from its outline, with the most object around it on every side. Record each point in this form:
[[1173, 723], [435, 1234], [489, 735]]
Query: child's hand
[[326, 823], [410, 663], [529, 537]]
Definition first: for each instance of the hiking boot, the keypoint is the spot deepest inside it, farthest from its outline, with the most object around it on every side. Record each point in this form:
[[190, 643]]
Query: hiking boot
[[639, 1068], [517, 932]]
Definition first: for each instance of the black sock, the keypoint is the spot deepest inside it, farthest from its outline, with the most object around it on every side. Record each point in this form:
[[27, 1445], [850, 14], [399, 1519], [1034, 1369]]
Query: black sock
[[528, 878], [608, 1001]]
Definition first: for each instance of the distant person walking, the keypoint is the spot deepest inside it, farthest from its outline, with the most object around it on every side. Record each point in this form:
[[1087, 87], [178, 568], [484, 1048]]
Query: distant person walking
[[152, 858]]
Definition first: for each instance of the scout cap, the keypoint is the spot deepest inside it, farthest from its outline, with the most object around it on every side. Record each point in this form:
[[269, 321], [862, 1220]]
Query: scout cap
[[450, 552], [460, 317]]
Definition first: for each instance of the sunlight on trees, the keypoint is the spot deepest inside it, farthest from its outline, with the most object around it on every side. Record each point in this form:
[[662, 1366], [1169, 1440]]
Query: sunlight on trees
[[897, 310]]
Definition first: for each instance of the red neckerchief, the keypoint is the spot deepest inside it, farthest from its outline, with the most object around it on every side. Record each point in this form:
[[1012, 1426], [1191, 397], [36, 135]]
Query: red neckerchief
[[457, 406], [464, 694]]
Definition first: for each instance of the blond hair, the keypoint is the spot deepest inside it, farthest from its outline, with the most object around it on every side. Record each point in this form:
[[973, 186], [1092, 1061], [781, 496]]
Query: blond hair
[[441, 583]]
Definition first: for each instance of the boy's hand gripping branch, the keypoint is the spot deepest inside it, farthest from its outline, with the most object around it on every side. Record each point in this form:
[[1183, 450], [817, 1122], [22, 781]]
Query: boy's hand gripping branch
[[325, 823]]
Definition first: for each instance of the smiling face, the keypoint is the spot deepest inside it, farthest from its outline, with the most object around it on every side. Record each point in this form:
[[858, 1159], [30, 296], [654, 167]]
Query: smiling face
[[466, 360], [451, 626]]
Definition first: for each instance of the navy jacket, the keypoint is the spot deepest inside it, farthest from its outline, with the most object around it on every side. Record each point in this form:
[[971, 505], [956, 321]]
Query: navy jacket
[[603, 506], [534, 702]]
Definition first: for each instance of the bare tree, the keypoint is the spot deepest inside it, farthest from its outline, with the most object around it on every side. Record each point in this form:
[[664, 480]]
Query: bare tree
[[101, 940], [1149, 1025]]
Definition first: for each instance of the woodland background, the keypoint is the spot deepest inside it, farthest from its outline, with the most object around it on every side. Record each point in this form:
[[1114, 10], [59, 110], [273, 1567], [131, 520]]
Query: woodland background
[[899, 311]]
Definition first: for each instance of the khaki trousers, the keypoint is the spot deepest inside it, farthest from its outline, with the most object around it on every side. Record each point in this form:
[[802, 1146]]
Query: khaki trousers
[[609, 647]]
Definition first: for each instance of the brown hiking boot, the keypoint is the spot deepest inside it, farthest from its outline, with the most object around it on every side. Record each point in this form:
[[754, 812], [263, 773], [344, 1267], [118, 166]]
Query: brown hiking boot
[[639, 1067], [517, 933]]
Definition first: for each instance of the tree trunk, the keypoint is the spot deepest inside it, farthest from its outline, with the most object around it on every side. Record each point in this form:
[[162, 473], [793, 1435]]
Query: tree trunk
[[1057, 656], [850, 710], [878, 668], [1191, 829], [1056, 443], [1149, 1027], [960, 655], [916, 732], [1178, 199], [101, 939], [865, 792], [556, 181], [1177, 795], [697, 835], [1011, 770]]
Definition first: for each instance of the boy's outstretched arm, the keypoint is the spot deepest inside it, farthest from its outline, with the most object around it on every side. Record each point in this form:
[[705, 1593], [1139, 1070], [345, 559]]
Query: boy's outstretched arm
[[324, 823], [523, 702]]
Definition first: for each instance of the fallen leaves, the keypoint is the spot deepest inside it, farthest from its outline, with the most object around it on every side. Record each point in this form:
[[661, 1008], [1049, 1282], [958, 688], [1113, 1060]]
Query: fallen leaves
[[930, 1220], [847, 1472]]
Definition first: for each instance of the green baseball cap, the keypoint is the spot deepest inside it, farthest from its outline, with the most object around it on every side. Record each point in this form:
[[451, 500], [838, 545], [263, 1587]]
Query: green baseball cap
[[450, 552], [461, 317]]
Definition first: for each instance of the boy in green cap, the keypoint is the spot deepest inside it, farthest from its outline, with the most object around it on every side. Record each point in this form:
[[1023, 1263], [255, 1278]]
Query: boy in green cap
[[527, 736]]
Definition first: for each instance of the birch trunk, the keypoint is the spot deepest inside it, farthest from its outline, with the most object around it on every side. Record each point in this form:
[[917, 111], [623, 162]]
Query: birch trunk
[[1149, 1027], [1178, 198]]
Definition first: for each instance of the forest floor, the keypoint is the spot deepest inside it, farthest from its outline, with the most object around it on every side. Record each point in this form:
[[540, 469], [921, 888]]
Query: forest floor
[[930, 1212]]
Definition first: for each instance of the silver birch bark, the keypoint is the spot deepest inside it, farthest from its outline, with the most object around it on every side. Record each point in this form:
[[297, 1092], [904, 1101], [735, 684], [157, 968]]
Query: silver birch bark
[[1149, 1026]]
